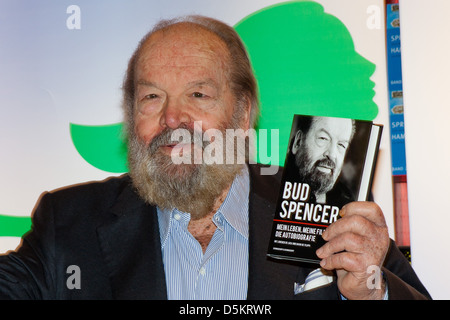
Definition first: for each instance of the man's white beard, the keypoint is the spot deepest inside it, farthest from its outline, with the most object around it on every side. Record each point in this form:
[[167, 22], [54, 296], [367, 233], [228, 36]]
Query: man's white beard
[[192, 188]]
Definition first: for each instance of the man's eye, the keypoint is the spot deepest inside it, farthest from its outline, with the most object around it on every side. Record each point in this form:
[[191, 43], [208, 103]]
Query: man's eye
[[343, 146], [151, 96], [198, 95], [322, 140]]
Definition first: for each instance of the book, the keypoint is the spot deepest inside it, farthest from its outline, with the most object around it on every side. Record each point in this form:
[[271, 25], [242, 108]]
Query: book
[[330, 162]]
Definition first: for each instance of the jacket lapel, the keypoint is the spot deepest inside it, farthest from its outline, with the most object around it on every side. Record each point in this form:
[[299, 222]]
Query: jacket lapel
[[268, 279], [131, 247]]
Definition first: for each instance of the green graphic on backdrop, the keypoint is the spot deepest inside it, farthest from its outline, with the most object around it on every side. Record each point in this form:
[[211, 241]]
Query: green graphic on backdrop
[[12, 226], [101, 146], [305, 62]]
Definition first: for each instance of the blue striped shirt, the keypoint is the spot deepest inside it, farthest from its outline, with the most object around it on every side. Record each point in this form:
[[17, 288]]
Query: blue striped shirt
[[222, 271]]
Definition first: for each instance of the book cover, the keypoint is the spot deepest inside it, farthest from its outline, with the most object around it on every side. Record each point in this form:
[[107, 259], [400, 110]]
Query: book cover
[[329, 162]]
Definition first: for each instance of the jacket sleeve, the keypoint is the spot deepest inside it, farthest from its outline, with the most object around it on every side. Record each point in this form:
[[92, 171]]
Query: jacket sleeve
[[402, 281], [27, 273]]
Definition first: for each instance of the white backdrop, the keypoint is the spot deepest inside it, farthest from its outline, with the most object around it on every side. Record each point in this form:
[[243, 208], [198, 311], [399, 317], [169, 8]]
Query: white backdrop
[[425, 32], [55, 70]]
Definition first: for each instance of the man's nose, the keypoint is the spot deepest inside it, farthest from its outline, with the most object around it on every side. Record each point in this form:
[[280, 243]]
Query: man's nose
[[174, 114], [331, 151]]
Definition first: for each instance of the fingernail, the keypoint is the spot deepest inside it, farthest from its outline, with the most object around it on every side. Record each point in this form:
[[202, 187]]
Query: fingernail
[[319, 251], [342, 211], [323, 262]]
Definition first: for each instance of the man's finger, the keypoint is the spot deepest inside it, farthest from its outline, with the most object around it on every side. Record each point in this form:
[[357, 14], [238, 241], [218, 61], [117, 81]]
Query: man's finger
[[349, 261], [353, 223], [350, 242], [369, 210]]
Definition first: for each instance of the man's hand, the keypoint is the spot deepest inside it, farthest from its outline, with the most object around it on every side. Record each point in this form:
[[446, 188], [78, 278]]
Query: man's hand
[[358, 240]]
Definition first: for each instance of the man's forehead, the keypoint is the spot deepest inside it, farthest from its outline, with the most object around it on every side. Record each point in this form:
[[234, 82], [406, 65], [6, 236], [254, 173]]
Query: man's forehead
[[183, 45], [338, 127], [185, 36]]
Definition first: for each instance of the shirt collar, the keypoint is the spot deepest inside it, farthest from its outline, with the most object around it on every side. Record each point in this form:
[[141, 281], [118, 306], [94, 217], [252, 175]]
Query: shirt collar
[[234, 208]]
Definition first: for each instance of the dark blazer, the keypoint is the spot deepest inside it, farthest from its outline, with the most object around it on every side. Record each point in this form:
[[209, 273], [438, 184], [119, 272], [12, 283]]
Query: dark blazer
[[106, 230]]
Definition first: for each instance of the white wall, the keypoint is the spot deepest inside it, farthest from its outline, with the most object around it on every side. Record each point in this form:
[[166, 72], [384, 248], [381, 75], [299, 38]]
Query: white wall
[[425, 40]]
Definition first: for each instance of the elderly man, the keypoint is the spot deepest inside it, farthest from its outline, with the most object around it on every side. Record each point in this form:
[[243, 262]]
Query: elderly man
[[190, 230]]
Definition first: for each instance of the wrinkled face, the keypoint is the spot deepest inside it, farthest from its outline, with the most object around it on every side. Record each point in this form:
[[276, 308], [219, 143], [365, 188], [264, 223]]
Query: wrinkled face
[[181, 78], [322, 151]]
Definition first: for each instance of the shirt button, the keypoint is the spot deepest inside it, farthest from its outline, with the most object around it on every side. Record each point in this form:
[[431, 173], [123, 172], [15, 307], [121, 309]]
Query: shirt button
[[202, 271], [177, 216]]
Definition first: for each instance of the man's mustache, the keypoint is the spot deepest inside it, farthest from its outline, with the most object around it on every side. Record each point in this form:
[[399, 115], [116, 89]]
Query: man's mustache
[[164, 138], [326, 162]]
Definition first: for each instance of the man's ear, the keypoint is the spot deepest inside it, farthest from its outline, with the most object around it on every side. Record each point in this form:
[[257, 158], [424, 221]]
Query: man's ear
[[247, 106], [297, 141]]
